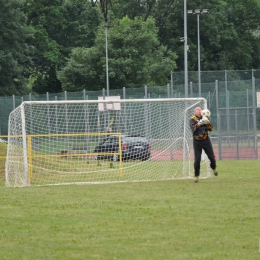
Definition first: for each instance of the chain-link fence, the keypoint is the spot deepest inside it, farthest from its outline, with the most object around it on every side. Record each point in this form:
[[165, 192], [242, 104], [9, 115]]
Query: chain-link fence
[[231, 97]]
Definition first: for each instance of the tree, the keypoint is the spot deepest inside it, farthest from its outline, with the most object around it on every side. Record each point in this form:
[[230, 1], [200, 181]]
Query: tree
[[227, 38], [136, 58], [226, 35], [15, 53], [60, 26]]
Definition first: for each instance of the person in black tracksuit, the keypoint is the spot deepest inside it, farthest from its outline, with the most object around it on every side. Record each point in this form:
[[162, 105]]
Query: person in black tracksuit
[[201, 140]]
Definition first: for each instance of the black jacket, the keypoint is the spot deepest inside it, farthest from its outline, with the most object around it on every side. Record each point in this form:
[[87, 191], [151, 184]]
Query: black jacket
[[199, 132]]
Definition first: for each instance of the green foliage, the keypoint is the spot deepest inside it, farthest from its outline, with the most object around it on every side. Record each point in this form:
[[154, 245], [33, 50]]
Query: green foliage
[[135, 56], [111, 165], [41, 37], [228, 44], [98, 163], [60, 26], [15, 53]]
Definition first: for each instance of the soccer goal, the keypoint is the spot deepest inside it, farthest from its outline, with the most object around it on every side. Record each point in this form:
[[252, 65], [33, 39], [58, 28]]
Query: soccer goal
[[101, 141]]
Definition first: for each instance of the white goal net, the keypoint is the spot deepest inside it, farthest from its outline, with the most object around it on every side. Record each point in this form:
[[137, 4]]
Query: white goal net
[[102, 141]]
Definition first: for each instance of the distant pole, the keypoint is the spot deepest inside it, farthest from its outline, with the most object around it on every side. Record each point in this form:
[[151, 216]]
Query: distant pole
[[107, 77], [199, 75], [185, 51], [198, 12], [104, 8]]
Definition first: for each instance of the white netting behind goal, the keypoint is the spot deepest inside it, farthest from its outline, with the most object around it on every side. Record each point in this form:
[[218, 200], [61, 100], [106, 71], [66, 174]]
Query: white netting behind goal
[[65, 142]]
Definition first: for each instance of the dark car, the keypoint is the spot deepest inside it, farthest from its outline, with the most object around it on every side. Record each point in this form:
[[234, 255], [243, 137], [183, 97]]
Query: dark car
[[133, 147]]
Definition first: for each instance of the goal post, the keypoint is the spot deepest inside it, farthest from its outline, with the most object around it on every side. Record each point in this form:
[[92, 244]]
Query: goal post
[[55, 142]]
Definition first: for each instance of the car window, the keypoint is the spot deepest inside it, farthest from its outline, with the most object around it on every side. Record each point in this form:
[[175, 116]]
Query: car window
[[114, 139], [110, 139], [106, 141], [129, 139]]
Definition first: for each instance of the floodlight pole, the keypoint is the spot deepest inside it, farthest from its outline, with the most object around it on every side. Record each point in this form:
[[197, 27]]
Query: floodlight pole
[[107, 77], [198, 12], [185, 39], [199, 73]]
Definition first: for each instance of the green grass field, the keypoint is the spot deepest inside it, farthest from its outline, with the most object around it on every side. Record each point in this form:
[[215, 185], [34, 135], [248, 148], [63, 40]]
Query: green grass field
[[217, 218]]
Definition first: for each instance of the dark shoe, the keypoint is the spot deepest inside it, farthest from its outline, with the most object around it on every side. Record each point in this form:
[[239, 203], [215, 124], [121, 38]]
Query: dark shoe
[[196, 179], [215, 172]]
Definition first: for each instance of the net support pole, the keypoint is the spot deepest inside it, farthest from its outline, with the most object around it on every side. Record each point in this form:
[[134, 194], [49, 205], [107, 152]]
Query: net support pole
[[254, 119], [25, 156], [30, 162], [120, 156], [218, 120]]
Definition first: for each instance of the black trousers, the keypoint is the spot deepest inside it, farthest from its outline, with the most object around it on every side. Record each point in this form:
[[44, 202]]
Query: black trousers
[[206, 145]]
